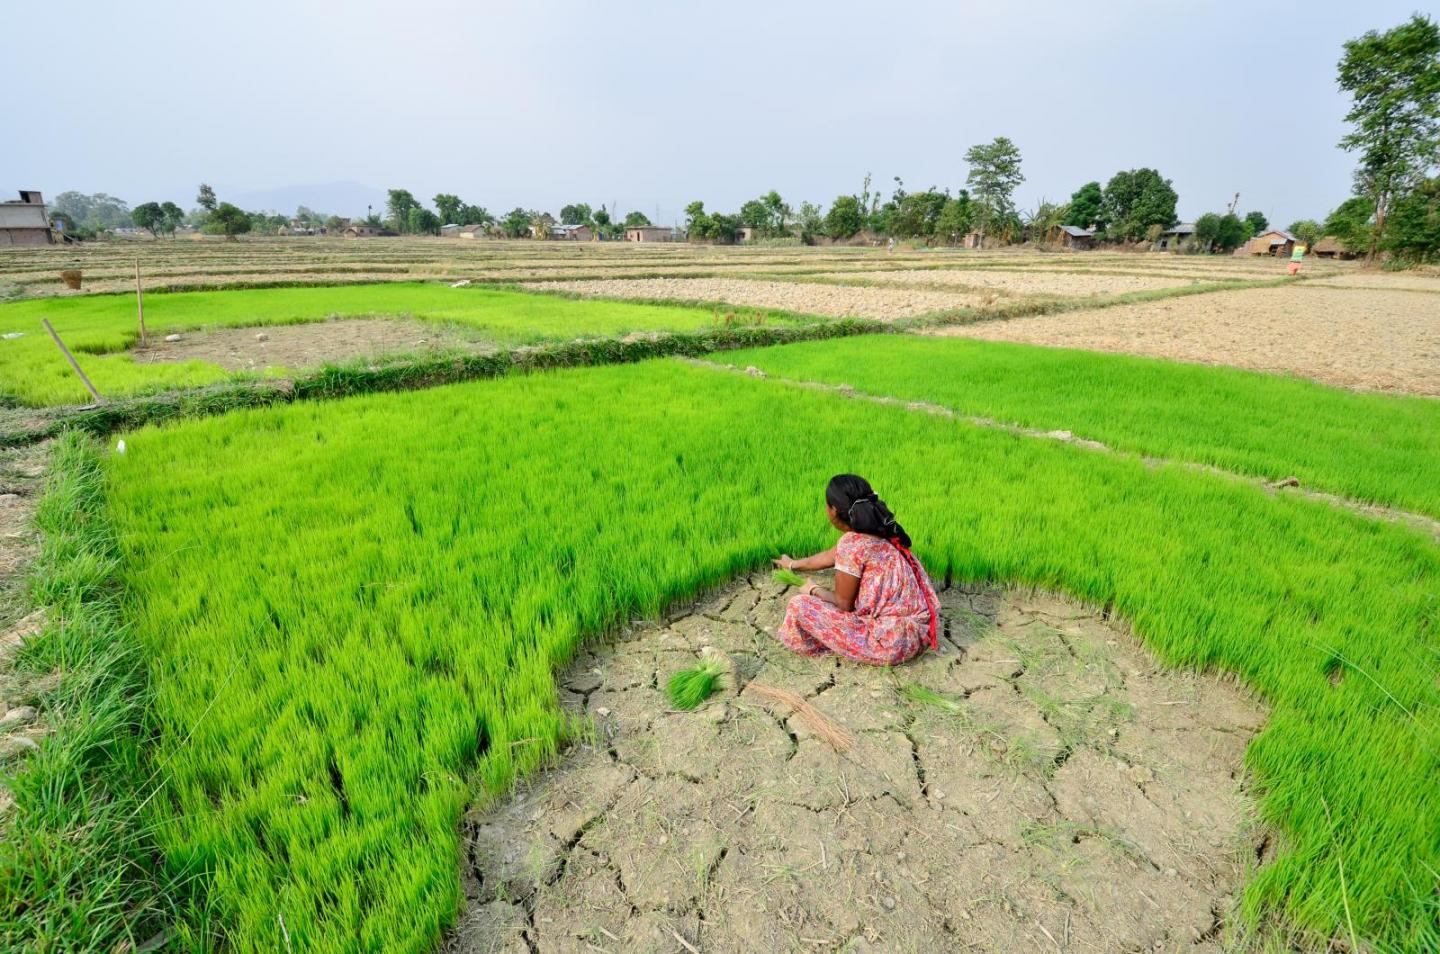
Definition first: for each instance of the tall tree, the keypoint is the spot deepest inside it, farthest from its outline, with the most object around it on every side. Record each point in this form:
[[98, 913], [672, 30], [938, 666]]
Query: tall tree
[[148, 216], [1414, 232], [229, 220], [1207, 231], [1134, 201], [1257, 222], [1353, 224], [994, 176], [1233, 232], [577, 214], [1306, 230], [449, 207], [172, 216], [633, 219], [1084, 211], [205, 198], [844, 218], [811, 220], [956, 219], [1394, 80], [516, 222], [398, 204]]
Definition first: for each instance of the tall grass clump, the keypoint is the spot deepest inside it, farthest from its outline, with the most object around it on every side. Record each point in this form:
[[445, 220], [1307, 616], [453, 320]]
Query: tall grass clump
[[78, 866], [1379, 448], [353, 612]]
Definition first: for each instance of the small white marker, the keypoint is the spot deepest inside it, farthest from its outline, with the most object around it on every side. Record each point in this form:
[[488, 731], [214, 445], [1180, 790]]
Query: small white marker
[[120, 448]]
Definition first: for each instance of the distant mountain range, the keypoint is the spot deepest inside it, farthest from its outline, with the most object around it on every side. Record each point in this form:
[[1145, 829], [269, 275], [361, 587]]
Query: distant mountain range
[[329, 198]]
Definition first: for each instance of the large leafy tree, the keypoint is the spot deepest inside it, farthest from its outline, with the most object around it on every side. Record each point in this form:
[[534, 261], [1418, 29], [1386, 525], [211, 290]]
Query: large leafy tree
[[398, 204], [577, 214], [229, 220], [1306, 230], [1257, 222], [632, 219], [956, 219], [1353, 223], [449, 207], [421, 221], [994, 176], [91, 213], [1136, 200], [844, 218], [1394, 80], [148, 216], [1207, 231], [172, 217], [516, 222], [1414, 230], [1085, 204], [205, 198], [1233, 233], [810, 220]]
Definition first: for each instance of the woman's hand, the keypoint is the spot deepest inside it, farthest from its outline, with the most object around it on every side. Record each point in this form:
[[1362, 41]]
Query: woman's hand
[[784, 562]]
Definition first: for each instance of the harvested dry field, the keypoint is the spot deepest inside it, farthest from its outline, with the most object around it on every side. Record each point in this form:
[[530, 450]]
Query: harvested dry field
[[1024, 282], [1365, 339], [834, 301]]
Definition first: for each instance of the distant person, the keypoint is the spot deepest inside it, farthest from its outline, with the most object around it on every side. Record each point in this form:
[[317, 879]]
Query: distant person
[[1297, 255], [883, 610], [891, 247]]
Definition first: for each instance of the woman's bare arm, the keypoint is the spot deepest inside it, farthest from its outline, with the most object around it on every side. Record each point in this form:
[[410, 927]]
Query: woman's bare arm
[[823, 560], [847, 587]]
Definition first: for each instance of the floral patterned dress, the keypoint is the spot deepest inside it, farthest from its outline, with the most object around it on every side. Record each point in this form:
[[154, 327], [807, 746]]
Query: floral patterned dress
[[891, 620]]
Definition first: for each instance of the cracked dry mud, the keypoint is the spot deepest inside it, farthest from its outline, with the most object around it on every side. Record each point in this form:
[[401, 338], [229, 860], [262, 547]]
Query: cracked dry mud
[[1067, 795]]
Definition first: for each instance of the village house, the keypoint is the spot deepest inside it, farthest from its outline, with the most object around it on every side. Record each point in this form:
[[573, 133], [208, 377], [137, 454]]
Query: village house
[[473, 232], [571, 233], [24, 222], [745, 234], [1331, 247], [1274, 242], [361, 230], [1071, 237], [450, 230], [1171, 239], [649, 233]]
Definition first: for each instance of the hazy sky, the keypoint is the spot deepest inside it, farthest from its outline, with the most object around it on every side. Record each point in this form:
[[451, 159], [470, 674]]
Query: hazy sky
[[654, 104]]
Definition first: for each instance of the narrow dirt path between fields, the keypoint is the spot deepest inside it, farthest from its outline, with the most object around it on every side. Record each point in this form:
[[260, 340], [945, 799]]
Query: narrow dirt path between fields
[[1065, 794], [22, 475], [1278, 484]]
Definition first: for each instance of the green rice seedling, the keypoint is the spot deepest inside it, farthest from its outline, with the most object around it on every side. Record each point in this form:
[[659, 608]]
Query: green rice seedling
[[1372, 447], [687, 688], [99, 328], [352, 611], [788, 577], [929, 697]]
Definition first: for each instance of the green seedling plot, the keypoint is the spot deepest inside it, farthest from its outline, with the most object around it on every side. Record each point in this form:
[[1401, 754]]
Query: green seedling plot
[[99, 327], [690, 687], [1379, 448], [351, 614], [788, 577]]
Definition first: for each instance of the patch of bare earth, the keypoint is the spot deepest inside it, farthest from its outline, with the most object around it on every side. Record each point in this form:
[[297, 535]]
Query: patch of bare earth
[[302, 346], [835, 301], [1369, 340], [1067, 795], [1028, 282], [22, 474]]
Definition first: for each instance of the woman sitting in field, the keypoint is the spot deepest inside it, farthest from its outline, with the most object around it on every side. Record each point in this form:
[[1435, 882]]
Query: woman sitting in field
[[883, 610]]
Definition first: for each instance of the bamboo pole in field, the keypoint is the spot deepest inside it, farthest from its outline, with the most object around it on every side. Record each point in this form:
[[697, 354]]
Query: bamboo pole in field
[[71, 358], [140, 302]]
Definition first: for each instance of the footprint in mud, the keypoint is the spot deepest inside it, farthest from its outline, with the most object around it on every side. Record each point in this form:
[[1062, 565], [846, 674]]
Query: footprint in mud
[[1036, 785]]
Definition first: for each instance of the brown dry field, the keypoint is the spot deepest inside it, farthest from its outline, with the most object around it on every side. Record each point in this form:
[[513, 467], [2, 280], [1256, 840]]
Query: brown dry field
[[1027, 282], [1113, 821], [1368, 339], [834, 301]]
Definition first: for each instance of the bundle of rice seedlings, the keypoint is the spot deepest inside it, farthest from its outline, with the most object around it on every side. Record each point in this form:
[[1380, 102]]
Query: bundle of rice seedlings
[[690, 687], [839, 739], [788, 577]]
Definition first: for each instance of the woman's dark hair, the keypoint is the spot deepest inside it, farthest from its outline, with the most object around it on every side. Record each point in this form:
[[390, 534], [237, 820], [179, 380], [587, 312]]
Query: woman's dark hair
[[856, 503]]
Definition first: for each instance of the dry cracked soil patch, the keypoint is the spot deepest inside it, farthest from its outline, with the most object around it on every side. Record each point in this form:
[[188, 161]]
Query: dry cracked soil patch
[[1038, 784]]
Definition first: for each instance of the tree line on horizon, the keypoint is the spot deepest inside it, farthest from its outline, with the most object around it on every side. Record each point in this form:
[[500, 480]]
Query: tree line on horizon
[[1393, 78]]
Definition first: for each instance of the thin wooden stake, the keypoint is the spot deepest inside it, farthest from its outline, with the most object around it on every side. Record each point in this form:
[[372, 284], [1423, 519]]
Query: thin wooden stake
[[71, 358], [140, 302]]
